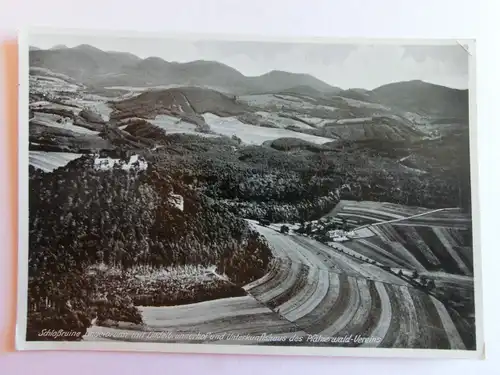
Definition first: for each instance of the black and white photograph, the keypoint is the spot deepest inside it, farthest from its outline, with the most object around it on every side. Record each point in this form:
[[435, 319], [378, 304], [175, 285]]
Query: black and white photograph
[[239, 195]]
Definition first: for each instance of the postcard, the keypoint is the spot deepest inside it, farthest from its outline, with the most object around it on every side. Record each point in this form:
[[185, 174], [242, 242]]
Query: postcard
[[230, 194]]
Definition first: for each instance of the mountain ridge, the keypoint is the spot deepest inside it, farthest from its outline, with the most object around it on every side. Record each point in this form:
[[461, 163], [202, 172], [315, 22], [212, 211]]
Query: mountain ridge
[[425, 98], [100, 68]]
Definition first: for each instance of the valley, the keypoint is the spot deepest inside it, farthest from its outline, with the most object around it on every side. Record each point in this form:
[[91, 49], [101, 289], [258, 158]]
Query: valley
[[189, 198]]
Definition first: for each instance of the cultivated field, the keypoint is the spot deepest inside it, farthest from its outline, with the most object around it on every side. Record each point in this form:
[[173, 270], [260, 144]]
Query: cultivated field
[[428, 239], [48, 161], [315, 289], [219, 318], [256, 135]]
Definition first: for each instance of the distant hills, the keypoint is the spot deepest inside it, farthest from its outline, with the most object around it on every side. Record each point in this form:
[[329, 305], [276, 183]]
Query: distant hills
[[83, 63], [95, 67], [99, 69], [424, 98]]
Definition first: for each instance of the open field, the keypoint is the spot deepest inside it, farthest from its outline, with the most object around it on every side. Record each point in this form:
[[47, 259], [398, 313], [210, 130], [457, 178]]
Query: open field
[[48, 161], [250, 134], [219, 318], [53, 120]]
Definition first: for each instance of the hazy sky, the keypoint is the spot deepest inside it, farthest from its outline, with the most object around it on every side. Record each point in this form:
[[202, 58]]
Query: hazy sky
[[346, 66]]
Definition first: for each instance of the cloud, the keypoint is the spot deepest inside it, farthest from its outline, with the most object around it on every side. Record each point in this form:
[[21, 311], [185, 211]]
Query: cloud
[[454, 56]]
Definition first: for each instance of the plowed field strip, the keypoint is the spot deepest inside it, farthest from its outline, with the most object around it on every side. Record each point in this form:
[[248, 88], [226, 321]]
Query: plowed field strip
[[353, 303], [454, 338], [384, 322], [409, 331]]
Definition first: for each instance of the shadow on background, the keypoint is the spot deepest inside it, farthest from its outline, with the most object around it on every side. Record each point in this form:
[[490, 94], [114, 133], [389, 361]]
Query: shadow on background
[[9, 258]]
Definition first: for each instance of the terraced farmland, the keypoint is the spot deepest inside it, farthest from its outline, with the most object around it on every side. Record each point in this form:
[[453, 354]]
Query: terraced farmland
[[335, 304], [348, 296], [368, 212], [440, 240], [312, 290]]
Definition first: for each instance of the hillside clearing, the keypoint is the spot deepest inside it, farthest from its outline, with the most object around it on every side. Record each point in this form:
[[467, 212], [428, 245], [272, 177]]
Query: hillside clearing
[[255, 135]]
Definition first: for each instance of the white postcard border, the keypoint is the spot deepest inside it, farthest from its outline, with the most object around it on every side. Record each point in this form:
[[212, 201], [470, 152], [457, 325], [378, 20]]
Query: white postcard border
[[23, 210]]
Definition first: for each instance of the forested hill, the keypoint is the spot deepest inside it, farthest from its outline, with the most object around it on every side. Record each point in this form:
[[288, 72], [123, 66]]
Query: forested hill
[[80, 216]]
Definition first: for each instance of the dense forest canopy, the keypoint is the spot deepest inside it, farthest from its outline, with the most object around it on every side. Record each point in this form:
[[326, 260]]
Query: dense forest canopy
[[80, 216]]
